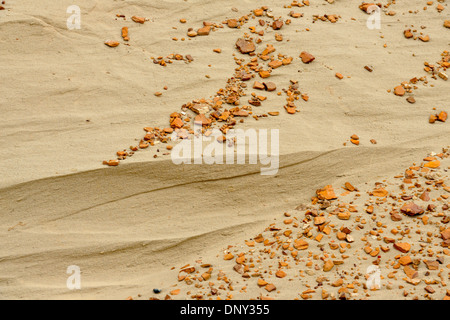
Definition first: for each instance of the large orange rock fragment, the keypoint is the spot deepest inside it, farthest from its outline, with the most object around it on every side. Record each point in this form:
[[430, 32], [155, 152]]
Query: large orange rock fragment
[[111, 163], [270, 287], [380, 193], [202, 120], [446, 234], [402, 246], [442, 116], [327, 193], [262, 283], [137, 19], [228, 256], [433, 164], [111, 43], [177, 123], [412, 209], [365, 6], [399, 91], [300, 244], [405, 260], [328, 265], [280, 274], [307, 57], [204, 31], [125, 34], [245, 46], [175, 292]]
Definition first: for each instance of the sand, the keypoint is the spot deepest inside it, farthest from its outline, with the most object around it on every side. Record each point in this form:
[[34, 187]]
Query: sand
[[127, 226]]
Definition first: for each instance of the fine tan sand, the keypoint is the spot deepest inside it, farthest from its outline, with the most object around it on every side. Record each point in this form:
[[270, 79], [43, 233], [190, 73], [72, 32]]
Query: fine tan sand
[[68, 102]]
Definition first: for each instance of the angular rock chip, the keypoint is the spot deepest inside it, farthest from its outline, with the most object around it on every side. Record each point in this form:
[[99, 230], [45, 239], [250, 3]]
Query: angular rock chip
[[270, 86], [307, 57], [245, 46], [136, 19], [327, 193], [204, 31], [111, 43], [328, 265], [402, 246], [412, 209], [399, 91]]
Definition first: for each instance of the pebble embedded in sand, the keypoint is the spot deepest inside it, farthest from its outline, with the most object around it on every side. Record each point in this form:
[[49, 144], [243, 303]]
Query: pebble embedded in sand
[[111, 163], [412, 209], [177, 123], [328, 265], [275, 64], [447, 23], [433, 164], [326, 193], [399, 91], [264, 74], [408, 34], [232, 23], [442, 116], [431, 265], [300, 244], [348, 186], [354, 139], [175, 292], [258, 12], [111, 43], [405, 260], [280, 274], [192, 33], [137, 19], [402, 246], [307, 57], [278, 24], [202, 120], [270, 287], [258, 85], [443, 75], [424, 38], [344, 215], [204, 31], [125, 34], [365, 6], [270, 86], [445, 234], [245, 46], [228, 256], [411, 100]]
